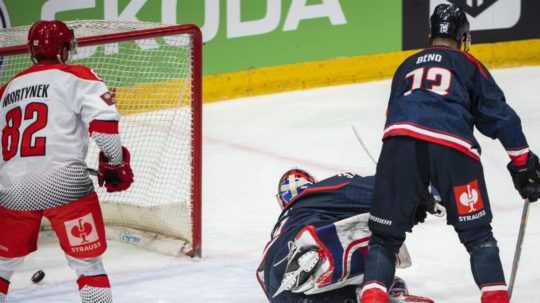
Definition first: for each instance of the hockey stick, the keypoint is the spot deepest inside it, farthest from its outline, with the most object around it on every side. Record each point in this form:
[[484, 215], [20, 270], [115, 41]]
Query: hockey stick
[[364, 147], [519, 244], [438, 209]]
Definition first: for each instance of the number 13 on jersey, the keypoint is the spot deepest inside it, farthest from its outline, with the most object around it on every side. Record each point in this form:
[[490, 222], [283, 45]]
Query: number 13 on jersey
[[434, 79], [11, 134]]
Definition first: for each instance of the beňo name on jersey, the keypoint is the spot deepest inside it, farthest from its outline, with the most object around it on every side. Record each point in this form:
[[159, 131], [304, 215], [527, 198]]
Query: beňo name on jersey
[[429, 58], [34, 91]]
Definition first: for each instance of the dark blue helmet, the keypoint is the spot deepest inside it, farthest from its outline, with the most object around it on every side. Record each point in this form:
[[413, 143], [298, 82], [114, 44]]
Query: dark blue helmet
[[450, 21]]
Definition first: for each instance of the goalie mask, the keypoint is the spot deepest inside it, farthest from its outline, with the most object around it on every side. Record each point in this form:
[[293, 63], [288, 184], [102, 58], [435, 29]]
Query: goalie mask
[[291, 184]]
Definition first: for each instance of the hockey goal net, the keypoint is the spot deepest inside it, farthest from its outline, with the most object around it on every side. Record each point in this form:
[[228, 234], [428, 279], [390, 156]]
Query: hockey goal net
[[155, 72]]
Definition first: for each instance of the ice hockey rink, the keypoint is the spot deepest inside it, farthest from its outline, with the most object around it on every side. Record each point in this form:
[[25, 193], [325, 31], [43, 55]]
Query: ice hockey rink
[[248, 144]]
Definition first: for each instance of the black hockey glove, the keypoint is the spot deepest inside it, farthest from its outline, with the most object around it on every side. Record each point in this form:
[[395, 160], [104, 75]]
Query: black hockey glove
[[420, 215], [527, 178], [427, 205]]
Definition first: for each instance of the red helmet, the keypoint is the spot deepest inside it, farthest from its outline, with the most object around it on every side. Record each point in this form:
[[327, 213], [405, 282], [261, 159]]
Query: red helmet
[[46, 39]]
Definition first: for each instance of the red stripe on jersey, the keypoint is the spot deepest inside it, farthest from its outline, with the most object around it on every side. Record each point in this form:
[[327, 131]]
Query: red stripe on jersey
[[101, 281], [103, 126], [424, 137], [80, 71]]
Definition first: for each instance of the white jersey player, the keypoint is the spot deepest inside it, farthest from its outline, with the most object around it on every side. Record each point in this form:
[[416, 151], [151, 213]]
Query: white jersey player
[[47, 113]]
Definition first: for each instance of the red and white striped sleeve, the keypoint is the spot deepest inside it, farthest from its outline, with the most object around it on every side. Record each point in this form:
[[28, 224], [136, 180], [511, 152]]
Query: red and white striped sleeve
[[98, 112]]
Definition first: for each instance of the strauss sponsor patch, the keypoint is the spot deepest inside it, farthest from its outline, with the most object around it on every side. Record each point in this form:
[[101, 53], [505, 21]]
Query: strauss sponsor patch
[[81, 231], [468, 198]]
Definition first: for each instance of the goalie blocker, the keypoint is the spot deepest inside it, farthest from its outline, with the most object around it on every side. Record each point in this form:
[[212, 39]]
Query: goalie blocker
[[318, 247]]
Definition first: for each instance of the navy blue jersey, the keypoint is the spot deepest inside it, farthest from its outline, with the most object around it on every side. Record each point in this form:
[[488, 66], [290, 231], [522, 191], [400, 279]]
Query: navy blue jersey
[[440, 94], [325, 202], [330, 200]]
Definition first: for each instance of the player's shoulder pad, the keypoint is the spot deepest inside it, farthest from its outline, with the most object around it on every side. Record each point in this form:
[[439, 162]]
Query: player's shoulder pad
[[81, 71], [481, 68], [478, 65], [411, 58]]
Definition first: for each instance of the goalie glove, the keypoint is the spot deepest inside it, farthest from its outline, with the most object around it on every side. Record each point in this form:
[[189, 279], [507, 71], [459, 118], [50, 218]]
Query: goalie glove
[[527, 178], [115, 177]]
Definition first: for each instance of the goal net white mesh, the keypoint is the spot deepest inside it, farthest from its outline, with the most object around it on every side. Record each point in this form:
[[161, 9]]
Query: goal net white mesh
[[153, 77]]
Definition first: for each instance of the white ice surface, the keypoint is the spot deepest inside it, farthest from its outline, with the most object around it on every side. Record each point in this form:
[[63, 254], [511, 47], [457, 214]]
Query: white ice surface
[[248, 143]]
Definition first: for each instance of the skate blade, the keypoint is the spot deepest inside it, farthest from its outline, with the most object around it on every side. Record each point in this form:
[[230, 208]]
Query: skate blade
[[306, 263]]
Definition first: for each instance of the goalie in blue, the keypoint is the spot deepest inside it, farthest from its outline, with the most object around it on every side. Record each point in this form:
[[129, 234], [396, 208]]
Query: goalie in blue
[[318, 247]]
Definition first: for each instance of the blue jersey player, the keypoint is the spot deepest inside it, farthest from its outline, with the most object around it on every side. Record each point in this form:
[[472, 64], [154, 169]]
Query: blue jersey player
[[318, 247], [438, 96]]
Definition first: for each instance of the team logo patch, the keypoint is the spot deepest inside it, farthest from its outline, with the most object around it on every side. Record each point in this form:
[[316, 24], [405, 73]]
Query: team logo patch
[[109, 97], [468, 198], [444, 27], [81, 231]]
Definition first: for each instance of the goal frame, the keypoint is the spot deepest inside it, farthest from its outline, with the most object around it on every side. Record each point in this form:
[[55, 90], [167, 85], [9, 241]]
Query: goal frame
[[196, 105]]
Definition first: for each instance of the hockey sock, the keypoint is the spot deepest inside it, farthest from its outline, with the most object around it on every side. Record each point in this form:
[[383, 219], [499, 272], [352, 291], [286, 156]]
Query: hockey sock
[[4, 286], [380, 265], [95, 289], [486, 265], [7, 268]]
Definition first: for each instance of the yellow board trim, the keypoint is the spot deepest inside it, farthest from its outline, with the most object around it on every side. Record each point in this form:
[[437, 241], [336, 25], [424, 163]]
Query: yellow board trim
[[146, 97], [349, 70]]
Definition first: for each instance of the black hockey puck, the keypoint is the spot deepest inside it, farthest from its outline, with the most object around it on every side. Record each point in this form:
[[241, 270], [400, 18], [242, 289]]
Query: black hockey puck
[[38, 276]]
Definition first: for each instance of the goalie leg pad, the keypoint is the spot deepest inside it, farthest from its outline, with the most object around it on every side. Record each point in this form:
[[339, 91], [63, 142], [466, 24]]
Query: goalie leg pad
[[301, 264], [342, 249], [79, 227]]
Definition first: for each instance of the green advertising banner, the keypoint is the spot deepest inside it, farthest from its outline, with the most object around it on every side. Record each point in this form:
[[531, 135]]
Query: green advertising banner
[[244, 34]]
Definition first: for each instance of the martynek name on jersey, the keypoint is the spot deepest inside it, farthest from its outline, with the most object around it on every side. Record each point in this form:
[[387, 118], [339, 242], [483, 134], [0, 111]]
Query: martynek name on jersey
[[34, 91]]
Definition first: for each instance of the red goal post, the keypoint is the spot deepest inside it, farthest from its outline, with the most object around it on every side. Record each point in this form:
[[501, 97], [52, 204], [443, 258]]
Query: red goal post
[[156, 72]]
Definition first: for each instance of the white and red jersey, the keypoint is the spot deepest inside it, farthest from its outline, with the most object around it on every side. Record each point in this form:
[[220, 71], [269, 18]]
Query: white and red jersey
[[47, 113]]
